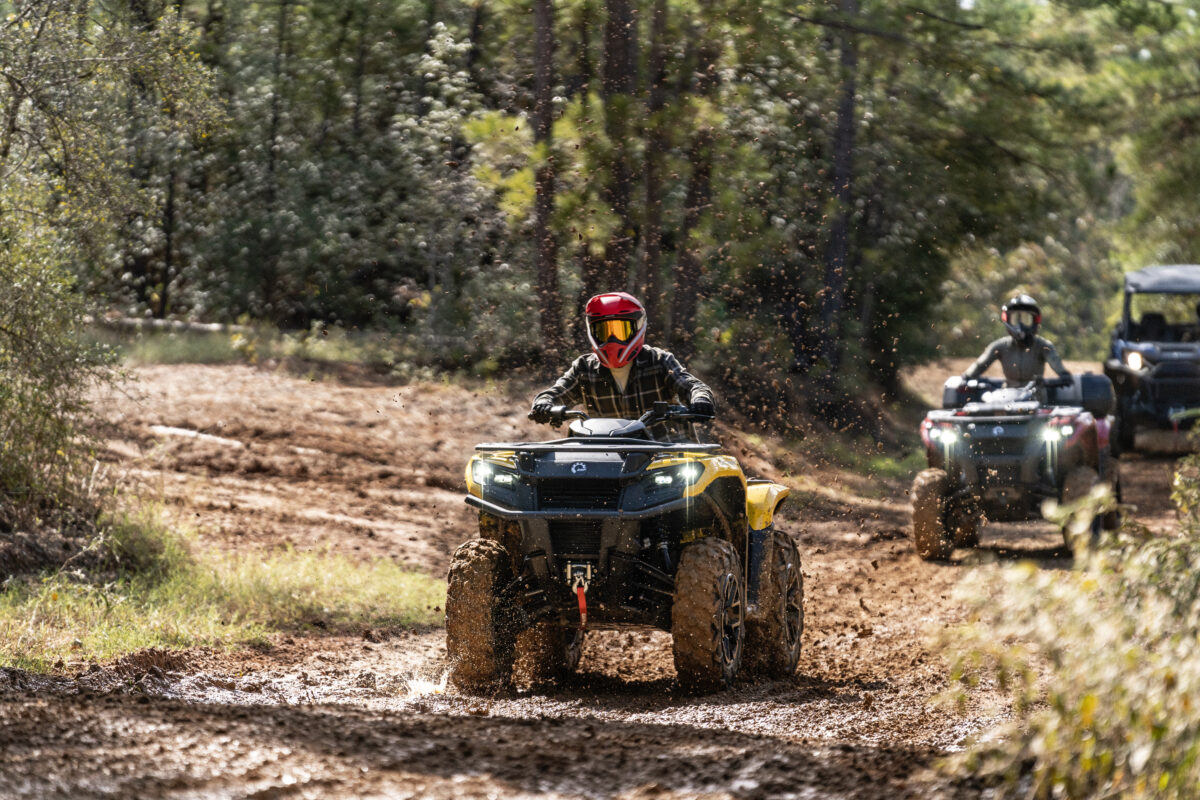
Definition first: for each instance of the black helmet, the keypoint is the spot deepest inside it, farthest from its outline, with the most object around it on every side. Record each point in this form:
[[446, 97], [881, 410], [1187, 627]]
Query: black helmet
[[1021, 316]]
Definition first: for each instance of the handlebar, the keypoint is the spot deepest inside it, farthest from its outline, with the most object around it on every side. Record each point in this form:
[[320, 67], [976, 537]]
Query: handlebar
[[661, 411], [1050, 383]]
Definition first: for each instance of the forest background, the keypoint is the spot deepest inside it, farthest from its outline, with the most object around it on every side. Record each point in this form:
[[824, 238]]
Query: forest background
[[807, 194]]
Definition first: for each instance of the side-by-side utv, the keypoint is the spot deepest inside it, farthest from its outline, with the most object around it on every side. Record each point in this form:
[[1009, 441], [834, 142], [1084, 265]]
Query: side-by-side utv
[[609, 528], [1154, 361]]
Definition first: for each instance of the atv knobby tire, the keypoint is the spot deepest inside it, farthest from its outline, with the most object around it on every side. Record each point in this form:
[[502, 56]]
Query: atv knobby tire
[[774, 630], [930, 535], [708, 615], [479, 625], [548, 652], [964, 518], [1077, 486]]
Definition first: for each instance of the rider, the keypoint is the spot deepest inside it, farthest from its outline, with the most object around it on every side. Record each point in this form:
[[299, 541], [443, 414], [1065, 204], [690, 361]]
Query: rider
[[1022, 354], [623, 377]]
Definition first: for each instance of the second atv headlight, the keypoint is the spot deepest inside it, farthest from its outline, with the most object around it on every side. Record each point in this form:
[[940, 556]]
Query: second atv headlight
[[1135, 360]]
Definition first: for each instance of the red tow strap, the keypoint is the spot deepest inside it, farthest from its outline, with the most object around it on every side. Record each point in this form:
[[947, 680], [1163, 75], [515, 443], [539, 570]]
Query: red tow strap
[[582, 606]]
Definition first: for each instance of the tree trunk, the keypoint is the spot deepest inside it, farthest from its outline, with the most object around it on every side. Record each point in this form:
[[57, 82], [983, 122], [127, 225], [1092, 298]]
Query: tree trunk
[[688, 268], [546, 247], [360, 69], [270, 263], [620, 37], [648, 281], [836, 262]]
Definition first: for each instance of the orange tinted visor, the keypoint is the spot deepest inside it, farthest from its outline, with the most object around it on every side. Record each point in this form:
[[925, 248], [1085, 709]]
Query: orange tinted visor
[[618, 329]]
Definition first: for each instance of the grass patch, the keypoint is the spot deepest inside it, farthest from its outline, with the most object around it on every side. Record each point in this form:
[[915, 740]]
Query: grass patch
[[251, 344], [161, 592]]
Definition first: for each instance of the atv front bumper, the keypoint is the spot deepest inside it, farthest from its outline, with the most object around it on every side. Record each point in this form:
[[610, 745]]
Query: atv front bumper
[[616, 556], [1152, 397]]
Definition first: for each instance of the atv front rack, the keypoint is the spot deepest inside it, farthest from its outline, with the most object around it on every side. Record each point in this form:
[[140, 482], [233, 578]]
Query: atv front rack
[[621, 444]]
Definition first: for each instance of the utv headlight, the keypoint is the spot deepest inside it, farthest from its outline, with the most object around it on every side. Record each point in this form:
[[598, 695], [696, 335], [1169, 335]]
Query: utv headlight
[[1134, 359]]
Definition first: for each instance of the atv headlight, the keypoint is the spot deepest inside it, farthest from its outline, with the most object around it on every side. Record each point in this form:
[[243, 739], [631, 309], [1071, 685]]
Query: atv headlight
[[1134, 359], [663, 485], [944, 435], [684, 475], [485, 473], [1054, 433]]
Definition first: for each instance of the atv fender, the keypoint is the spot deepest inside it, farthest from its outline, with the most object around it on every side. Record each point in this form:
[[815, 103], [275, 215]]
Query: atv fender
[[762, 501]]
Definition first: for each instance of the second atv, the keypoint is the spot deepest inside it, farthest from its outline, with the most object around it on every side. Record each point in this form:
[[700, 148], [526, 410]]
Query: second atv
[[997, 452], [608, 528]]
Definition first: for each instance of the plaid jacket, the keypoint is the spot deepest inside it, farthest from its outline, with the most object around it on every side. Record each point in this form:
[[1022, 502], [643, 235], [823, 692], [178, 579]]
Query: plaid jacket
[[656, 375]]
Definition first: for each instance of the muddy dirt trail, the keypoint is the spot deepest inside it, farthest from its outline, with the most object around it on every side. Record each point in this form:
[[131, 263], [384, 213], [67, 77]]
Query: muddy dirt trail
[[253, 458]]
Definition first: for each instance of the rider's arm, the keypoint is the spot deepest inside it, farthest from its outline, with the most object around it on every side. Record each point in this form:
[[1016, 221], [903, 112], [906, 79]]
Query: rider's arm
[[688, 387], [567, 390], [1056, 364], [984, 361]]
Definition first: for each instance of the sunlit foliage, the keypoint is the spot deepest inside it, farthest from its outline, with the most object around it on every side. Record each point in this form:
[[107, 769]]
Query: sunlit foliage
[[1102, 661]]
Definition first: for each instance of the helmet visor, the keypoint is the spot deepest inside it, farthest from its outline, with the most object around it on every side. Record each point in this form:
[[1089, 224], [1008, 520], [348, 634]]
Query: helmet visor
[[620, 330], [1022, 317]]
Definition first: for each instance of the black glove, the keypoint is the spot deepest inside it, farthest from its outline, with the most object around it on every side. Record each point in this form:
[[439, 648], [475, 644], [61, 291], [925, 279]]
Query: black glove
[[702, 408], [541, 409]]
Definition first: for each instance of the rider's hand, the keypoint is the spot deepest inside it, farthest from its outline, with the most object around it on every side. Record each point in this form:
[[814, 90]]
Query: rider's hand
[[541, 409], [702, 408]]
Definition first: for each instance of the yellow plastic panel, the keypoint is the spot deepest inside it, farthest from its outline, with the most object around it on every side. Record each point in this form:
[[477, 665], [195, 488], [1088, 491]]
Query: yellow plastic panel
[[761, 501]]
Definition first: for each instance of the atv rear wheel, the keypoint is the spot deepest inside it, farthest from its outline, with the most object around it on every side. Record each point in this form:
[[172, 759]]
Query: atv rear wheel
[[708, 615], [1077, 486], [479, 625], [548, 652], [964, 518], [930, 536], [774, 630]]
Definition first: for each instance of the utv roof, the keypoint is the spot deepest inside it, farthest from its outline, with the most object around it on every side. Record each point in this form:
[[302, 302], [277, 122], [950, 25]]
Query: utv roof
[[1165, 279]]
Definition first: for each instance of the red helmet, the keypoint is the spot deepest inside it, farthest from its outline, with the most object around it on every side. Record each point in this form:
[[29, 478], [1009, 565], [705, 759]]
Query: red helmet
[[616, 327]]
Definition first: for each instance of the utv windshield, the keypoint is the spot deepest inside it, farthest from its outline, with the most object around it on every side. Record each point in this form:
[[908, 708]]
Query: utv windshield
[[1164, 317]]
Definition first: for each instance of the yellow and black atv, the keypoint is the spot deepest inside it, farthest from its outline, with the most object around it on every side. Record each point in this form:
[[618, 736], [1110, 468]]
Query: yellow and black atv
[[609, 528]]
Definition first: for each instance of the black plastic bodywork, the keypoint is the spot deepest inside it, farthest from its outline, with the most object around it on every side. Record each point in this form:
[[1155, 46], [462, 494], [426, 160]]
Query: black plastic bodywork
[[587, 508]]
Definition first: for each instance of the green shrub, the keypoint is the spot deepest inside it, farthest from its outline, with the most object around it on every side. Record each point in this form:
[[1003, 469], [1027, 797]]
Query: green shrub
[[46, 370], [1103, 662]]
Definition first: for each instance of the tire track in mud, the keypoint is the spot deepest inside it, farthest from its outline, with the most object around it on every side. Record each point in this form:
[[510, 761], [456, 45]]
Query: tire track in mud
[[330, 717]]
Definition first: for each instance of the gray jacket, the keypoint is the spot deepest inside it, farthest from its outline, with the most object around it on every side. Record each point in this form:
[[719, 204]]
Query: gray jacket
[[1021, 363]]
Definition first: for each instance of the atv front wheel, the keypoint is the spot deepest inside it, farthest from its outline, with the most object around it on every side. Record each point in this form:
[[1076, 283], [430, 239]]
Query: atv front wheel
[[548, 652], [964, 518], [479, 625], [707, 615], [774, 630], [930, 536]]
